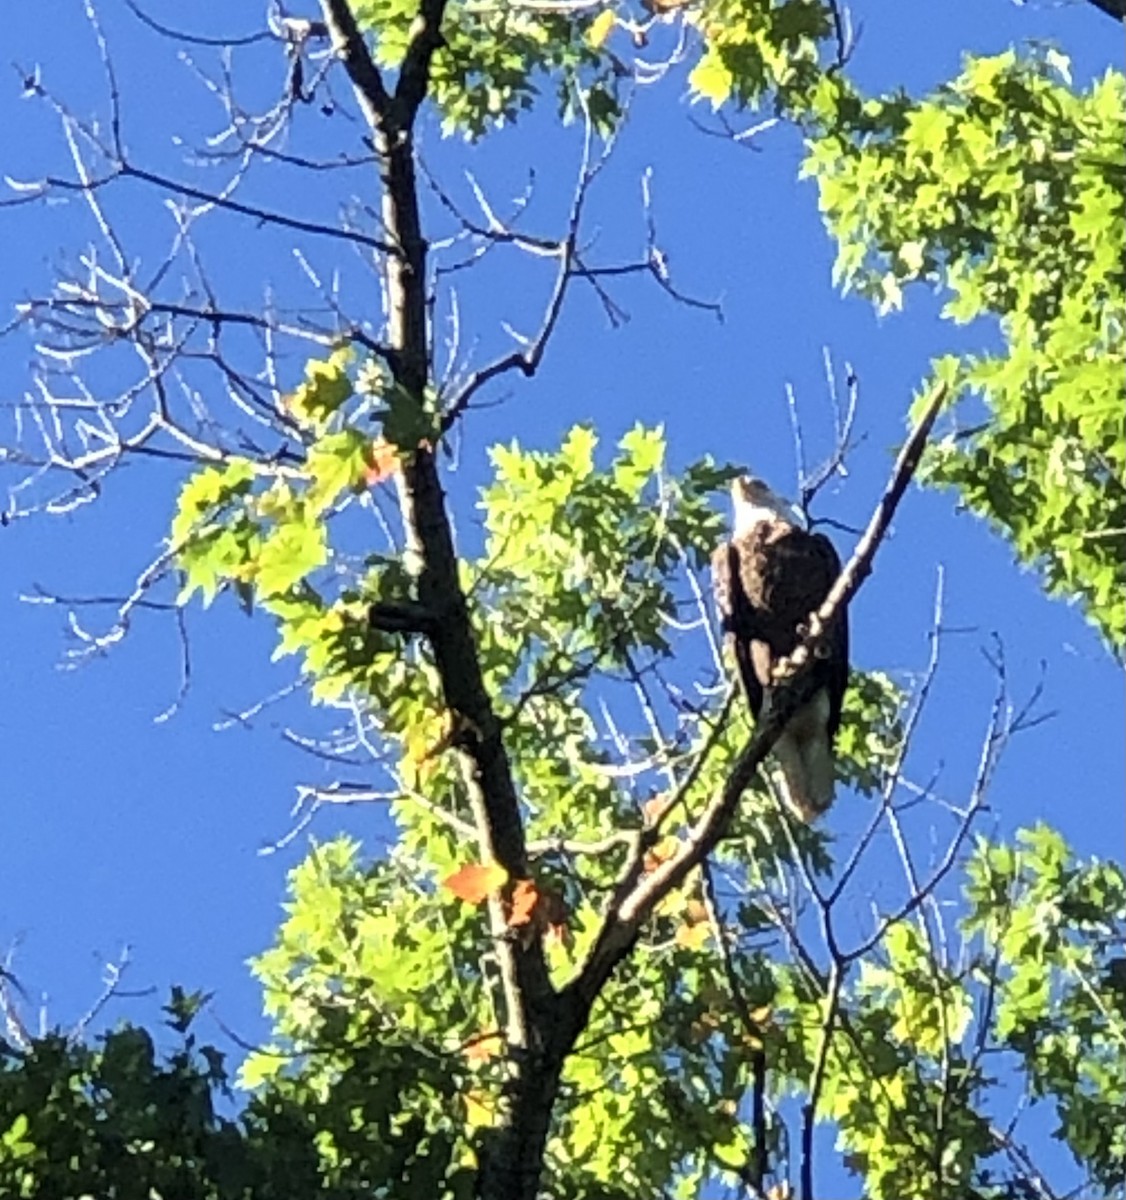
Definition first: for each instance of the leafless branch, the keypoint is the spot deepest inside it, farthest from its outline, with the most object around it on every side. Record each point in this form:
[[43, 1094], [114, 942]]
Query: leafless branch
[[825, 1036], [999, 730], [571, 266], [111, 990], [859, 565], [844, 34], [891, 782], [1022, 1160], [11, 993], [193, 39]]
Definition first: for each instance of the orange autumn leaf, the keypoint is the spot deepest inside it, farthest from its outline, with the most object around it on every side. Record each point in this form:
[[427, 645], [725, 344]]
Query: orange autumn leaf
[[522, 904], [483, 1048], [536, 910], [695, 911], [653, 808], [473, 882]]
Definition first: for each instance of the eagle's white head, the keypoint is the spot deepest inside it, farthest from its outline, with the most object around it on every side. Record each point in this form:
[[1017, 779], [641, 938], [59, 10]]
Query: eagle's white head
[[755, 503]]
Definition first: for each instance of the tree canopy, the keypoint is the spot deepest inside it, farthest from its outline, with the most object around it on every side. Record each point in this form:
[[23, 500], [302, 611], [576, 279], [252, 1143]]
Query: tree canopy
[[595, 957]]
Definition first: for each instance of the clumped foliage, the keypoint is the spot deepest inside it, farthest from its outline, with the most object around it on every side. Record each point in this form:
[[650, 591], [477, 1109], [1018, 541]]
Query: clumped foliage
[[545, 709], [1005, 191], [496, 58], [387, 1067], [118, 1119]]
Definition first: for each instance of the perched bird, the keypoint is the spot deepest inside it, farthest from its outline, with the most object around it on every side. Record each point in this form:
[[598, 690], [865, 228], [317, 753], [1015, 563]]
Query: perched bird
[[769, 578]]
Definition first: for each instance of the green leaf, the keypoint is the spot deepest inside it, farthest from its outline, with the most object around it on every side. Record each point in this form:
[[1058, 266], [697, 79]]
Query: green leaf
[[325, 389], [601, 27], [710, 79], [290, 553]]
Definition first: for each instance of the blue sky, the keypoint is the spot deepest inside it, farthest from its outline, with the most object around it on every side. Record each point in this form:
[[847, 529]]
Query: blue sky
[[121, 830]]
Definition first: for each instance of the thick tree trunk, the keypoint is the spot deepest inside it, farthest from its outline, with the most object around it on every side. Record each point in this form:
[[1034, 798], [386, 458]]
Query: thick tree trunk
[[539, 1034], [513, 1156]]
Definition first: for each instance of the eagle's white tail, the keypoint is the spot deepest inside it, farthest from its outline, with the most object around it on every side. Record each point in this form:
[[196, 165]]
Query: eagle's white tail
[[805, 755]]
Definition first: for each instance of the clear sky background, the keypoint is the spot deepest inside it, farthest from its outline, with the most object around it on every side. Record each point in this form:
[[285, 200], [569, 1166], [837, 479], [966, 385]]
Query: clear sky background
[[119, 830]]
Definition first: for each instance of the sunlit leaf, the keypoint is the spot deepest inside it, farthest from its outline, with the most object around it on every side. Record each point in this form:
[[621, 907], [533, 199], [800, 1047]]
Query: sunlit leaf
[[475, 881]]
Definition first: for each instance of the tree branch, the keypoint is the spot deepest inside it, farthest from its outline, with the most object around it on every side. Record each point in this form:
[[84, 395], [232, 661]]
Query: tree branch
[[349, 46], [1115, 9], [859, 566], [486, 770], [401, 616], [759, 1166], [126, 170], [414, 74]]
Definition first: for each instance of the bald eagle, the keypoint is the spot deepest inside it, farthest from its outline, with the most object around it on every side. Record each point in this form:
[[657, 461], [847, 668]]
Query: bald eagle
[[768, 579]]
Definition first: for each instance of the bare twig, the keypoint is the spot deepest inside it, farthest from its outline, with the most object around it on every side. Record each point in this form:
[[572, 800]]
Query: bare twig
[[111, 989], [1022, 1160], [14, 1024], [894, 775], [809, 485], [179, 37], [997, 734], [859, 565], [817, 1081], [571, 266]]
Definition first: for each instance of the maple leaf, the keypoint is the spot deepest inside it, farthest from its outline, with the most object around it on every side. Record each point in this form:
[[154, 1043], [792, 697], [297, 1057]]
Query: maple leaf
[[523, 903], [473, 882]]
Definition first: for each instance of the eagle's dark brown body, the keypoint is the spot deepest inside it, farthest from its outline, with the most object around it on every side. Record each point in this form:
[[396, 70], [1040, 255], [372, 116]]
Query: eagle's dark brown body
[[768, 580]]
